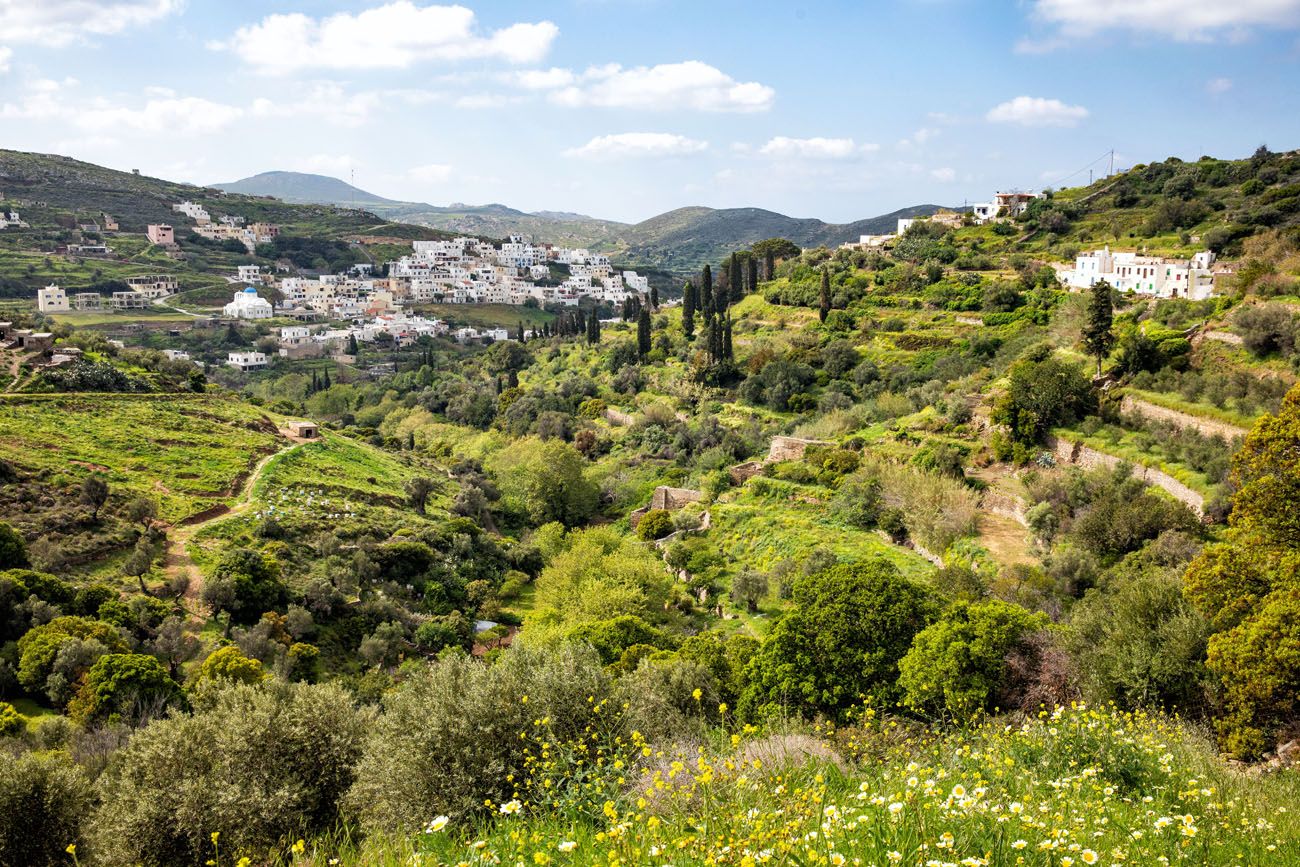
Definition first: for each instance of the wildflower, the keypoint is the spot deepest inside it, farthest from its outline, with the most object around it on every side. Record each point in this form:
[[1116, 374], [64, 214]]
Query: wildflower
[[1088, 856], [214, 835], [895, 856], [435, 825], [697, 695], [567, 846], [72, 849], [1018, 845], [837, 860], [297, 848], [511, 807], [895, 808]]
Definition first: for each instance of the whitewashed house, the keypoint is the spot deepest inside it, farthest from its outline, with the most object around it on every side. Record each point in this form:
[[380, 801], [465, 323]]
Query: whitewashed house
[[52, 299], [247, 361]]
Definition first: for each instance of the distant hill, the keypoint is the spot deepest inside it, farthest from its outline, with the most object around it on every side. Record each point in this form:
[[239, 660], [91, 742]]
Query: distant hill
[[303, 188], [680, 241]]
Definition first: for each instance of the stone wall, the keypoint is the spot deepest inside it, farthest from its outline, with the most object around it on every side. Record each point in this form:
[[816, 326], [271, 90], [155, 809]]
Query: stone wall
[[1223, 337], [664, 497], [1001, 503], [1080, 455], [790, 448], [1207, 426]]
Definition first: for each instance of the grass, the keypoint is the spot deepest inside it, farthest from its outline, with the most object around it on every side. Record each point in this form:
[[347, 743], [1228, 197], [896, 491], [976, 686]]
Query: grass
[[486, 315], [188, 452], [89, 318], [35, 713], [1073, 788], [761, 530]]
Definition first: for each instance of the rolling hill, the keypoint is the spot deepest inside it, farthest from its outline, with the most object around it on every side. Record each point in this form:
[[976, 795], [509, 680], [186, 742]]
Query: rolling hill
[[680, 240]]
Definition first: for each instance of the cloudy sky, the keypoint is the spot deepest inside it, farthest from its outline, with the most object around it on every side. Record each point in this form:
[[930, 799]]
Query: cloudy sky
[[625, 108]]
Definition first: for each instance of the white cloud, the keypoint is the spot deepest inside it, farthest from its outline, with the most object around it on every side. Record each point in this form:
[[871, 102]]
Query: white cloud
[[5, 54], [810, 148], [58, 22], [332, 103], [690, 84], [638, 144], [1037, 111], [1178, 19], [1216, 86], [190, 115], [544, 79], [431, 174], [393, 36], [944, 175]]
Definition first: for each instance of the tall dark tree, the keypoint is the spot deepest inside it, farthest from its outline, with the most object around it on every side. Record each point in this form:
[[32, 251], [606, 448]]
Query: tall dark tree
[[352, 344], [751, 277], [736, 279], [643, 333], [727, 353], [824, 303], [1098, 337], [688, 311], [94, 493], [706, 289], [654, 297], [519, 335]]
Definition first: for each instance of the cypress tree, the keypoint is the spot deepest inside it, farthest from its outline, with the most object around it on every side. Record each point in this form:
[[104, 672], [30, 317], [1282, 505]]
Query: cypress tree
[[654, 297], [325, 383], [824, 307], [727, 354], [1097, 335], [769, 265], [688, 311], [735, 280], [643, 333], [751, 285], [706, 289]]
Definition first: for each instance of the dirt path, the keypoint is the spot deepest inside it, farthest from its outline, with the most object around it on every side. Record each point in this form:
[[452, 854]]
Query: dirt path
[[178, 562], [1207, 426]]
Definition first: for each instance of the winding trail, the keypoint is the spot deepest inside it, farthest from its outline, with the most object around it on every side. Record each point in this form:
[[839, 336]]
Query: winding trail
[[178, 562]]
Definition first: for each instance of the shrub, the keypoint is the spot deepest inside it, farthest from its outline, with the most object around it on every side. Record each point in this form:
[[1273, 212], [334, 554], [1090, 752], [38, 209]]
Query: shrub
[[261, 766], [13, 550], [857, 621], [655, 524], [228, 664], [11, 721], [122, 683], [43, 802], [957, 665], [450, 735]]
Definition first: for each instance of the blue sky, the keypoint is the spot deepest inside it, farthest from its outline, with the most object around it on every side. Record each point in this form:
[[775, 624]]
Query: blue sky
[[626, 108]]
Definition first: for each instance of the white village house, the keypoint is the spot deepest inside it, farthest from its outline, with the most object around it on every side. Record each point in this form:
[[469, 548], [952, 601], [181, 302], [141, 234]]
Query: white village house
[[246, 361], [52, 299], [1155, 276]]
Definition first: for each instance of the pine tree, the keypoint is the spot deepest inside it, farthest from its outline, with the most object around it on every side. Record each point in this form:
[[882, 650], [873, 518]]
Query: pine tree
[[824, 308], [1097, 335], [643, 333], [706, 289], [688, 311]]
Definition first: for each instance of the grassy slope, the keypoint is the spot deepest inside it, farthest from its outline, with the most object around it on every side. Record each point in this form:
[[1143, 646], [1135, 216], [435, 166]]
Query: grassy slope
[[187, 451]]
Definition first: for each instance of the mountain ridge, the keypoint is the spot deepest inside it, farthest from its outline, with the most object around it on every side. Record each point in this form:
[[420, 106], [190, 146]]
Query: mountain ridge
[[679, 240]]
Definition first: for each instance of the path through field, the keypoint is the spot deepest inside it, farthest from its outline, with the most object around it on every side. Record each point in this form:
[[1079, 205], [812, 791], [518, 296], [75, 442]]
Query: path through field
[[178, 561]]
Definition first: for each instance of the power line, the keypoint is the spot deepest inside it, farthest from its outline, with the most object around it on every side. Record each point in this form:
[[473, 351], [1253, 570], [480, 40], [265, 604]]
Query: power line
[[1110, 154]]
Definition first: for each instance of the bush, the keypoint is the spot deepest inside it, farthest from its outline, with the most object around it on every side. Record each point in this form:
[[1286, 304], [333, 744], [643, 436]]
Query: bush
[[450, 736], [261, 766], [857, 621], [43, 802], [957, 665], [654, 524], [13, 550], [11, 721]]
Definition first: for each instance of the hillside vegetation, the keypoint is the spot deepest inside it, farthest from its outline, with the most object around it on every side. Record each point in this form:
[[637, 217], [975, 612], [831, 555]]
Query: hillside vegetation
[[902, 556]]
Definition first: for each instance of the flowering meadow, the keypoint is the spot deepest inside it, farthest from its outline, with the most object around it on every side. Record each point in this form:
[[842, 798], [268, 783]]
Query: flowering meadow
[[1074, 786]]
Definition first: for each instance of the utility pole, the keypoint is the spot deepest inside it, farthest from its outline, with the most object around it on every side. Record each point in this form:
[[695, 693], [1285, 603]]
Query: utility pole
[[1112, 163]]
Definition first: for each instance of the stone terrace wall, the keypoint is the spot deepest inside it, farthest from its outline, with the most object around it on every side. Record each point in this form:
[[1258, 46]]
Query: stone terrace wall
[[1080, 455]]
